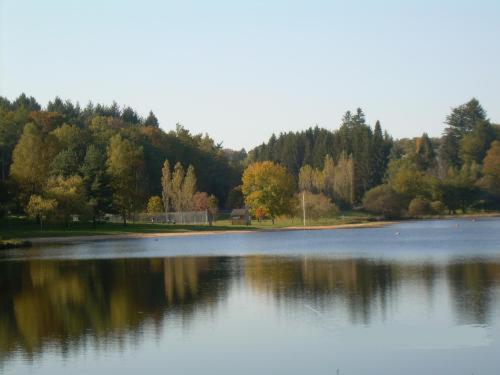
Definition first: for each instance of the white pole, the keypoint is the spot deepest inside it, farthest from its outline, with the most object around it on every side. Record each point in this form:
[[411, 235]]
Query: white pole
[[304, 207]]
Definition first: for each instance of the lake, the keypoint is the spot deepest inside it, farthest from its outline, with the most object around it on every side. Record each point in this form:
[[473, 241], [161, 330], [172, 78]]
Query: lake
[[412, 298]]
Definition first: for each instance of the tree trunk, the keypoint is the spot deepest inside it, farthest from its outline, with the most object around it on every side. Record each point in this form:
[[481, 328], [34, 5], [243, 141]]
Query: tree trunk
[[3, 170]]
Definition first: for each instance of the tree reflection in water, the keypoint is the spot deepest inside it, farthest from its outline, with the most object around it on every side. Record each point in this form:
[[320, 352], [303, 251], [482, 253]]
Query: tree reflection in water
[[65, 304]]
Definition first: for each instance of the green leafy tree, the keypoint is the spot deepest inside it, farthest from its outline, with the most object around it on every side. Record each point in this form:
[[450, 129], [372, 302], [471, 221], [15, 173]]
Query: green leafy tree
[[31, 160], [317, 206], [166, 184], [474, 145], [10, 132], [125, 163], [40, 207], [235, 198], [458, 190], [419, 207], [155, 205], [65, 164], [410, 181], [71, 138], [69, 193], [96, 182], [329, 176], [384, 200], [212, 208]]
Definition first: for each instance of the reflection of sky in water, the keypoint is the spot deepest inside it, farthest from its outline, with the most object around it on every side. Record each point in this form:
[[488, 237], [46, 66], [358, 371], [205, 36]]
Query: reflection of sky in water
[[440, 240], [428, 307]]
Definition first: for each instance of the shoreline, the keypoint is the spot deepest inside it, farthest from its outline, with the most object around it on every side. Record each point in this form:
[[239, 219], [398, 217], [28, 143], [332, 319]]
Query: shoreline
[[138, 235], [132, 236]]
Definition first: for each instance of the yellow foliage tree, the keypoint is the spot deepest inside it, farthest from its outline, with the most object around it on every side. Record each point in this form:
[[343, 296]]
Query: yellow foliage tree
[[270, 187], [155, 205]]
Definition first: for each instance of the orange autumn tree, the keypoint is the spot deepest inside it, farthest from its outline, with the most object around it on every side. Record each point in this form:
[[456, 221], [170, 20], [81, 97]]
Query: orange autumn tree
[[269, 187], [260, 213], [490, 182]]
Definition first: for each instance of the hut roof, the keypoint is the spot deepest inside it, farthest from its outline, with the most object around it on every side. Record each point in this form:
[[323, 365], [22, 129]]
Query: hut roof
[[239, 212]]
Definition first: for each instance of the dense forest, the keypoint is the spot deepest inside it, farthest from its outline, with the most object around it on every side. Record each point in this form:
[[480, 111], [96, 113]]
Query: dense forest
[[362, 165], [45, 148], [104, 158]]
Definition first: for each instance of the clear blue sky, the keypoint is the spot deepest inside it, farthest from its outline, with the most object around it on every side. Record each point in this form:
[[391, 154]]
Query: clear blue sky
[[241, 70]]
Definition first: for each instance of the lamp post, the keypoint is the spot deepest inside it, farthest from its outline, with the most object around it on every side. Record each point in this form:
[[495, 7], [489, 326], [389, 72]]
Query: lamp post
[[304, 207]]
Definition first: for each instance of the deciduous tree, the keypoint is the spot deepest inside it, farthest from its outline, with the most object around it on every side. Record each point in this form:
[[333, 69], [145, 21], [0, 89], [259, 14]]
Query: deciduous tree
[[268, 186], [188, 189], [177, 183], [155, 205], [125, 162], [31, 160], [344, 180], [40, 207], [69, 193], [166, 185]]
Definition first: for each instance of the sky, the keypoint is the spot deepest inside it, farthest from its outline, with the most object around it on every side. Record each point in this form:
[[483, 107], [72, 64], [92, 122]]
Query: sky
[[242, 70]]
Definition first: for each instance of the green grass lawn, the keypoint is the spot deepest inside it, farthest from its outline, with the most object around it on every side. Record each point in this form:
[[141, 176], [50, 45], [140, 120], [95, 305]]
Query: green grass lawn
[[348, 217], [18, 228], [22, 228]]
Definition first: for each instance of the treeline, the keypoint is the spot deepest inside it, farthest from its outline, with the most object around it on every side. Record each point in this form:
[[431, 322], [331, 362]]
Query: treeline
[[109, 159], [367, 149], [97, 153], [360, 165]]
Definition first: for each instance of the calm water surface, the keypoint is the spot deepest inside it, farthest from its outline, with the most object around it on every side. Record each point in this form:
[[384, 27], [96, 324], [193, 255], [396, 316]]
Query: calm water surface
[[413, 298]]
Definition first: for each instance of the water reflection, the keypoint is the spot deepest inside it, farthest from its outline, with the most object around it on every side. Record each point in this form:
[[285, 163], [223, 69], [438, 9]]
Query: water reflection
[[64, 304]]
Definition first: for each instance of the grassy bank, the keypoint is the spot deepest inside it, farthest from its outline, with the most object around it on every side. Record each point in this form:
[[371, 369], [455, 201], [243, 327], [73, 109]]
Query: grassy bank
[[18, 228], [21, 228]]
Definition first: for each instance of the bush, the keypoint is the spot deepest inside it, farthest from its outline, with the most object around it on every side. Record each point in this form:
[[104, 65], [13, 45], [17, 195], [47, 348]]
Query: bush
[[437, 207], [419, 207], [384, 200], [155, 205], [317, 206]]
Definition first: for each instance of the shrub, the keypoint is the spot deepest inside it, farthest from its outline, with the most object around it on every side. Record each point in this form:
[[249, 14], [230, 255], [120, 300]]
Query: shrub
[[384, 200], [419, 207], [317, 206], [155, 205], [437, 207]]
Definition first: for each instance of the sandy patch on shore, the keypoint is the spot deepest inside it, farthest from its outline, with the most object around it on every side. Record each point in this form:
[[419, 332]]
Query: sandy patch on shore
[[124, 236]]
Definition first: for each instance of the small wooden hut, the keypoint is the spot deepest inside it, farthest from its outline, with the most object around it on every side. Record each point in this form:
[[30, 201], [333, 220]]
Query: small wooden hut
[[241, 216]]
